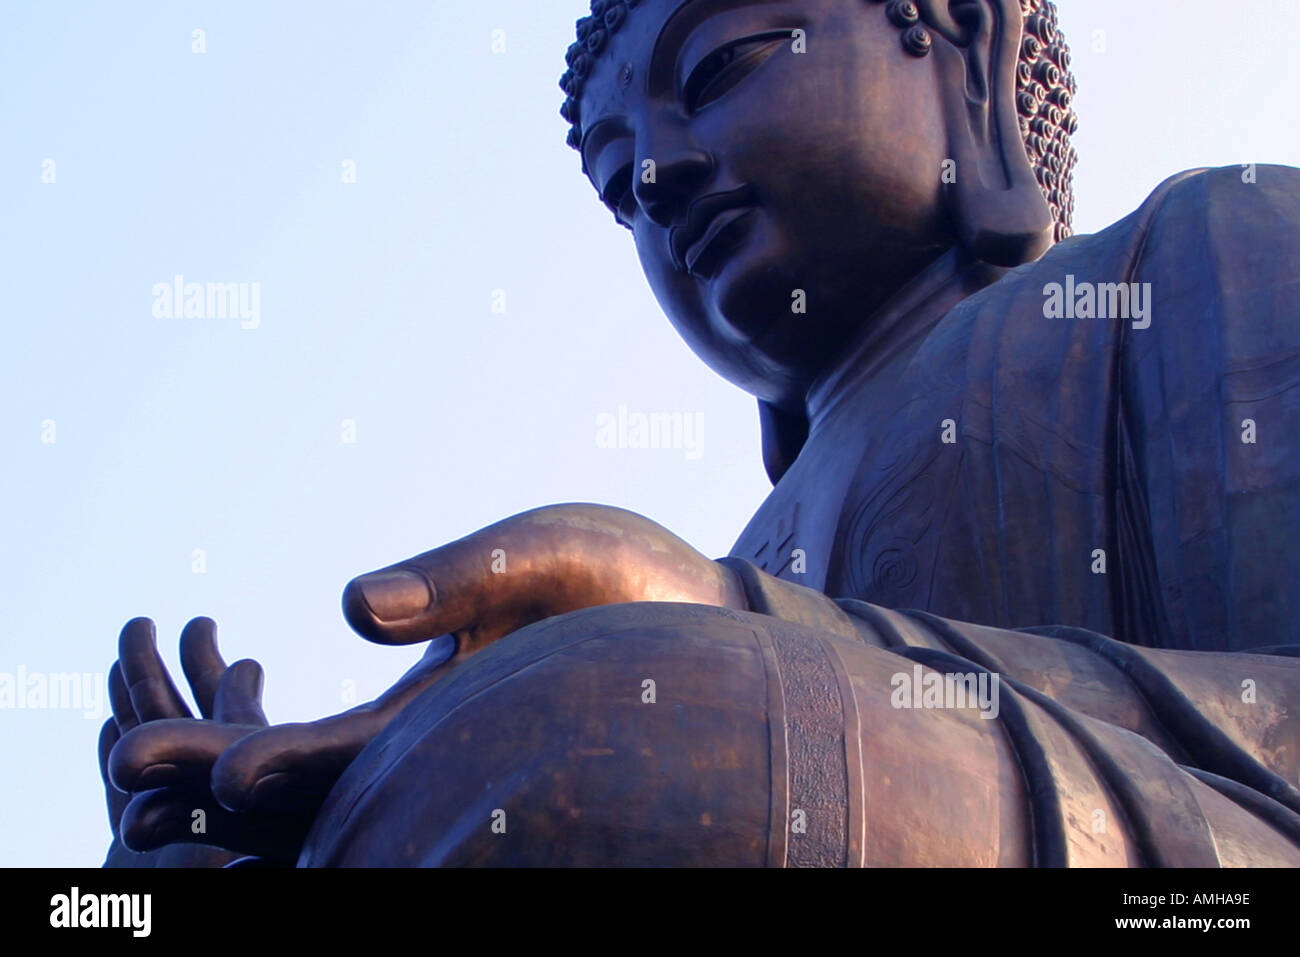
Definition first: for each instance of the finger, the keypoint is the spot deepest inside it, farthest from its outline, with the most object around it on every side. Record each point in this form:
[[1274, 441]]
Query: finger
[[165, 816], [170, 752], [202, 662], [153, 695], [293, 766], [120, 699], [153, 819], [447, 589], [522, 569], [108, 736], [239, 695], [117, 799]]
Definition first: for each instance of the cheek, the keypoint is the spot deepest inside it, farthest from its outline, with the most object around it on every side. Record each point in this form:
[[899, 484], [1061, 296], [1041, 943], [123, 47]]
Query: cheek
[[678, 295], [653, 254], [843, 161]]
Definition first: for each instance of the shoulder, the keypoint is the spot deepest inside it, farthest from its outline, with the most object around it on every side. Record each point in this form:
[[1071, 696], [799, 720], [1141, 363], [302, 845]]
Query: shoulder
[[1191, 189], [1232, 206], [1197, 215], [1216, 250], [1210, 254]]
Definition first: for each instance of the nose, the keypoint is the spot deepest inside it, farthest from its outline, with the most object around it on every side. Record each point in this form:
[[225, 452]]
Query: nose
[[663, 190]]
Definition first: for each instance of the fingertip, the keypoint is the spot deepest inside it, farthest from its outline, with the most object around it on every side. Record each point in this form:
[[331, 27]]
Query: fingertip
[[357, 613], [239, 695], [139, 635], [250, 781], [132, 755], [199, 633], [234, 775], [391, 607], [119, 767], [139, 627], [151, 821], [248, 676]]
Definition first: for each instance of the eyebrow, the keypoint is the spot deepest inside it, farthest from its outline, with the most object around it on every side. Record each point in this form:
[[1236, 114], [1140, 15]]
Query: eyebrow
[[676, 32], [682, 22]]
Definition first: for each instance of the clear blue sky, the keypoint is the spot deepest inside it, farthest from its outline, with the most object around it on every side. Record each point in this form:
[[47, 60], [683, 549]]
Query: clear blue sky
[[376, 306]]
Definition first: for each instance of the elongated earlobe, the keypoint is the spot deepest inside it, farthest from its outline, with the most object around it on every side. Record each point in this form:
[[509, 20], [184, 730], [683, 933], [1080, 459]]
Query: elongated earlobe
[[1001, 213]]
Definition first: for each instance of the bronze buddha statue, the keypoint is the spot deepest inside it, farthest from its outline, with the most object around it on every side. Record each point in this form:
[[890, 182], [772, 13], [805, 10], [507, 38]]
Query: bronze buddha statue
[[1053, 475]]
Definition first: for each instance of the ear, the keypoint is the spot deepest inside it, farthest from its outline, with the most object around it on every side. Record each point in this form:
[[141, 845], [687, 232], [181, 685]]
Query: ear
[[1000, 212]]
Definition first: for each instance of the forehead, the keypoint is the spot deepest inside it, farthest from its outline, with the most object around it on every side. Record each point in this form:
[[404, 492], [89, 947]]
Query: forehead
[[653, 31], [620, 66]]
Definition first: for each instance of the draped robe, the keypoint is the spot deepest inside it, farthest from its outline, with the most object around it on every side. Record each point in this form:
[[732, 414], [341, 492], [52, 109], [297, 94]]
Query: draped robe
[[1079, 438]]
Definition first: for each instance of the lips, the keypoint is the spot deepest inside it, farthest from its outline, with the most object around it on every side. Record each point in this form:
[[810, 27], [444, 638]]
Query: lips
[[695, 244]]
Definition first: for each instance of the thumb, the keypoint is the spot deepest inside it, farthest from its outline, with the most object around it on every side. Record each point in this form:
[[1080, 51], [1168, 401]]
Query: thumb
[[528, 567]]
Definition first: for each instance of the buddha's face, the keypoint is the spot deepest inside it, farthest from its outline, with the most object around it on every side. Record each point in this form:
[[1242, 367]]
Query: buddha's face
[[758, 180]]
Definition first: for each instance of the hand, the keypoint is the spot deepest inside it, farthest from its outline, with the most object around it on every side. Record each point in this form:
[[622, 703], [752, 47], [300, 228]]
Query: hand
[[465, 595], [259, 786], [265, 784], [531, 566], [142, 693]]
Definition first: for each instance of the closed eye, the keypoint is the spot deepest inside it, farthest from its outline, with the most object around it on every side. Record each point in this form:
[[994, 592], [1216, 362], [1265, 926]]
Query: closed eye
[[721, 70]]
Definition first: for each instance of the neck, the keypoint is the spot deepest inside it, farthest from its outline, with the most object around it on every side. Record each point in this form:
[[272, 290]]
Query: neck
[[897, 328]]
